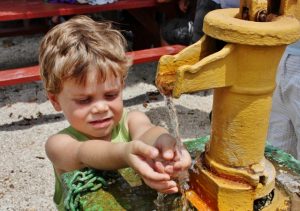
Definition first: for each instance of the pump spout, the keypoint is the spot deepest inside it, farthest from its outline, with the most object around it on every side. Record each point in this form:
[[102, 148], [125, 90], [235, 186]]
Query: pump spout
[[214, 71], [200, 66], [168, 67]]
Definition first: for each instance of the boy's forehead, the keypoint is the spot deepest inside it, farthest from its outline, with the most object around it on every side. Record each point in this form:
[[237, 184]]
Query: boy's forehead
[[109, 80], [93, 81], [115, 83]]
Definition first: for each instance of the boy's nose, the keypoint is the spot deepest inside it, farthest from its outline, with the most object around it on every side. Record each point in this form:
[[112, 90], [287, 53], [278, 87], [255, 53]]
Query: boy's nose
[[99, 107]]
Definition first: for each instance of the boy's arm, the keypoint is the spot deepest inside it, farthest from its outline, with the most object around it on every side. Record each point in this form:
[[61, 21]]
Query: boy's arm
[[68, 154], [141, 128]]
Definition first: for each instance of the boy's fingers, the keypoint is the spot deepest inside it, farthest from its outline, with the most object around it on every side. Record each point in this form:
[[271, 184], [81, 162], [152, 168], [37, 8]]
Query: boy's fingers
[[177, 156], [161, 185], [167, 148], [145, 150], [159, 167], [145, 169], [170, 190], [168, 154], [169, 169], [184, 163], [150, 174]]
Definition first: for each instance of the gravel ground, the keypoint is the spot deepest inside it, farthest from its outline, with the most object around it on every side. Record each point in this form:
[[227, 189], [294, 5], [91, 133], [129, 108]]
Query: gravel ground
[[27, 119]]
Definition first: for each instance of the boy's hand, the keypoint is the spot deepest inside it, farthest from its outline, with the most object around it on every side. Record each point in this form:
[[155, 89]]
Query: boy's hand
[[140, 157], [171, 160]]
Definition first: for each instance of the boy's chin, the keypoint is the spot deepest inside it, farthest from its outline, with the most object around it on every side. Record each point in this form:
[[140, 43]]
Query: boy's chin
[[102, 135]]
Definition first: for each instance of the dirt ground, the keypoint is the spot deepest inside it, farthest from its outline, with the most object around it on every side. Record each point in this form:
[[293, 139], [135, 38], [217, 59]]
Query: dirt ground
[[27, 119]]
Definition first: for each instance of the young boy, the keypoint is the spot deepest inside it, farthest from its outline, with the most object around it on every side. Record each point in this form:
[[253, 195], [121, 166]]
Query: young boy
[[83, 66]]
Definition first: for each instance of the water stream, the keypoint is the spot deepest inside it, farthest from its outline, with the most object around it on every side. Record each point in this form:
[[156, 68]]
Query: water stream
[[183, 177]]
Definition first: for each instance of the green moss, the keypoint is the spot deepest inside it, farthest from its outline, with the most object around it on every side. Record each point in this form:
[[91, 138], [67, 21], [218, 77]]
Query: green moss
[[282, 158], [196, 145]]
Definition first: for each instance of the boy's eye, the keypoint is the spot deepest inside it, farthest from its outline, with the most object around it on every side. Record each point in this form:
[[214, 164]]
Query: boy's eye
[[83, 101], [111, 96]]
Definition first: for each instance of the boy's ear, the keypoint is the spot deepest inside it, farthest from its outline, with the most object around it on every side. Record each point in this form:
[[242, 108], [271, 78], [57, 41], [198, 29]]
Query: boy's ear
[[54, 101]]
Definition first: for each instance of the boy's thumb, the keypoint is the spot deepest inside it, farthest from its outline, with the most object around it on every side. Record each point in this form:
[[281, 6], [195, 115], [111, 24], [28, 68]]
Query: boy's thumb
[[146, 150]]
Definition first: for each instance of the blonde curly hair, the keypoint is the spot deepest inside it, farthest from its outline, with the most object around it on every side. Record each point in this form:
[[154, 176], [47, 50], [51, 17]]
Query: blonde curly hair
[[74, 48]]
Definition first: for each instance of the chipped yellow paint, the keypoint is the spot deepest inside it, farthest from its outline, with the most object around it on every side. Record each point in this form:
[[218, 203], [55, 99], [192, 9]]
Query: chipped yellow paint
[[233, 171]]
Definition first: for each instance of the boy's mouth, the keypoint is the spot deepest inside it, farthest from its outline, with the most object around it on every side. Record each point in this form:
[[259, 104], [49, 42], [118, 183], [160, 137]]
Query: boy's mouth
[[101, 123]]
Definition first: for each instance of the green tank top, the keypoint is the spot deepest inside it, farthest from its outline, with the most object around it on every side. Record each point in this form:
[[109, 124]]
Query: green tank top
[[119, 134]]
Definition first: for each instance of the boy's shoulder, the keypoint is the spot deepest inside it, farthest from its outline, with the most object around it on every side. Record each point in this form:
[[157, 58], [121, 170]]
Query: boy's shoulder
[[72, 132], [136, 116]]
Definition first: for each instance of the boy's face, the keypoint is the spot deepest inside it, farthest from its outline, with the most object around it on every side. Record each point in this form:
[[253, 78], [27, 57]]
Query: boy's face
[[93, 109]]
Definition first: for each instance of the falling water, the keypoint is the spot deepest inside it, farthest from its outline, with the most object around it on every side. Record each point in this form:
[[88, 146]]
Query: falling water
[[183, 177]]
